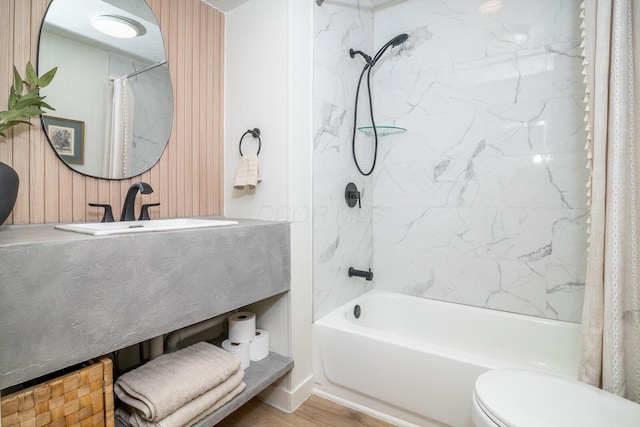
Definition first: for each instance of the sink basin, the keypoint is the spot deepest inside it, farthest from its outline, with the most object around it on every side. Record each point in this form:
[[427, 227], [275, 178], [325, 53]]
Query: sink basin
[[124, 227]]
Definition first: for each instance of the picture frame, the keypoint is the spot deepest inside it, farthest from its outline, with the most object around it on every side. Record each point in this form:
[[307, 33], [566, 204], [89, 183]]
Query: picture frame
[[66, 137]]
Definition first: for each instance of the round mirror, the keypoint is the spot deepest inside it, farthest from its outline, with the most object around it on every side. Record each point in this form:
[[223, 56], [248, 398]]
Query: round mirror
[[112, 93]]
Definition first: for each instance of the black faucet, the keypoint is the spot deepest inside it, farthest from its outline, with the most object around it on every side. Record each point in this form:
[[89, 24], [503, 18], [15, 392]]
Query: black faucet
[[128, 213]]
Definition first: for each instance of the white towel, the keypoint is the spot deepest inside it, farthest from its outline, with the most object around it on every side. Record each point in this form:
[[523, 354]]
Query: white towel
[[197, 409], [161, 386], [247, 173]]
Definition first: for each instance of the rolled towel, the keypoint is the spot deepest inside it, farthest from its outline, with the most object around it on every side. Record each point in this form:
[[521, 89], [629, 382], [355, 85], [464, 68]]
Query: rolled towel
[[247, 173], [161, 386], [198, 408]]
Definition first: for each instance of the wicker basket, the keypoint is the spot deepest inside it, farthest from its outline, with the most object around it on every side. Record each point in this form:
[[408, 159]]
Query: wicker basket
[[81, 398]]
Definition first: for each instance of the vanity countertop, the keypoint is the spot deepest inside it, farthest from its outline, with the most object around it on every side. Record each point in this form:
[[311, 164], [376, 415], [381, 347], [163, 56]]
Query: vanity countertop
[[46, 233], [67, 297]]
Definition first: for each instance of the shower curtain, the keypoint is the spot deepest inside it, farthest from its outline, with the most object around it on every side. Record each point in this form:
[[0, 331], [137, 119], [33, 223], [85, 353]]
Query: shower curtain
[[119, 132], [611, 316]]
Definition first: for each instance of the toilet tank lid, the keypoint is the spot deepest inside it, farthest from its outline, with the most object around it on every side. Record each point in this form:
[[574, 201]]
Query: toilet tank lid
[[520, 397]]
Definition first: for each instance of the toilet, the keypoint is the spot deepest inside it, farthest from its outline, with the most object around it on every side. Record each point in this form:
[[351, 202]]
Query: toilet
[[528, 398]]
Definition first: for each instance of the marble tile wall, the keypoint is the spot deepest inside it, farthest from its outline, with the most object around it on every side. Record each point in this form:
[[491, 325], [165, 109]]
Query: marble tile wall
[[342, 235], [482, 201]]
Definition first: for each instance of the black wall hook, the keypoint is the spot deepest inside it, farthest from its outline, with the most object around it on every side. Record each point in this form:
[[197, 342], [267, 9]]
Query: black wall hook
[[255, 132]]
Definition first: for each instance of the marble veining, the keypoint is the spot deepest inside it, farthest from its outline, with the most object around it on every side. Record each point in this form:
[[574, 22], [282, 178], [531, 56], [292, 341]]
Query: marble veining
[[482, 201]]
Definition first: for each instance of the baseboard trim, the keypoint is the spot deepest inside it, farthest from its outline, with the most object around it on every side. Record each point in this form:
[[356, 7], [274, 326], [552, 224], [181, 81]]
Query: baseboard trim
[[279, 397]]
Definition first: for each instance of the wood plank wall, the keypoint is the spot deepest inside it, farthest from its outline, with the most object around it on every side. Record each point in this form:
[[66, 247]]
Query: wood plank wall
[[188, 179]]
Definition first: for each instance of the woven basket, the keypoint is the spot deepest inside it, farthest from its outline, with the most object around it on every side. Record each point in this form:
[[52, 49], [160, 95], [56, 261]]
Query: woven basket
[[81, 398]]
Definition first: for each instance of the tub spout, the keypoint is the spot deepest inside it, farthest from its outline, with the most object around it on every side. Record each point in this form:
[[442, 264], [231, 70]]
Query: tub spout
[[367, 275]]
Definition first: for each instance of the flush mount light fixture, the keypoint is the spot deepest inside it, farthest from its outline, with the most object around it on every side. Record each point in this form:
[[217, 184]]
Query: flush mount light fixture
[[118, 26], [490, 6]]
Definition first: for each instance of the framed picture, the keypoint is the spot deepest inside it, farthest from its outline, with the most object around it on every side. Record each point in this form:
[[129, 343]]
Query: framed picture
[[67, 137]]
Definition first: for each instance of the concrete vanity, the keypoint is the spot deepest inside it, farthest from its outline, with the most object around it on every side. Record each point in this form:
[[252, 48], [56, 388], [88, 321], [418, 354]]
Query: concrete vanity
[[67, 297]]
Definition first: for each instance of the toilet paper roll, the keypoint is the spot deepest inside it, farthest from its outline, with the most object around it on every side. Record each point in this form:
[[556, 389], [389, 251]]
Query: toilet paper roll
[[242, 327], [259, 346], [239, 349]]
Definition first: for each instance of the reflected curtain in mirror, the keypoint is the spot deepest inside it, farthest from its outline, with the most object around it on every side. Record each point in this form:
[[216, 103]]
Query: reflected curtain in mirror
[[119, 133]]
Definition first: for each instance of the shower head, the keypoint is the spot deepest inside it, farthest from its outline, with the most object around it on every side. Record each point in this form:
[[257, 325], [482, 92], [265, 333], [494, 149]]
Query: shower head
[[394, 42], [399, 39]]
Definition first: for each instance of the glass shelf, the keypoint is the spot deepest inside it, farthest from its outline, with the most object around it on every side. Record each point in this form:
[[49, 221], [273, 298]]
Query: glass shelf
[[382, 130]]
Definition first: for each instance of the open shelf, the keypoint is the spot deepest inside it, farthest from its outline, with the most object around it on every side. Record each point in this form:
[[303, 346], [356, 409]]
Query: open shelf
[[258, 376], [382, 130]]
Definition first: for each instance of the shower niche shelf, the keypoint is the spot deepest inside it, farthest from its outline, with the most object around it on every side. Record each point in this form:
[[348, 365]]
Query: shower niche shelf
[[382, 130]]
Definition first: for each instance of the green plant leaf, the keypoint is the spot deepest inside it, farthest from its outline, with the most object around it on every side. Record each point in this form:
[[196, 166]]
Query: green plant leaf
[[9, 125], [32, 77], [12, 98], [28, 105], [12, 115], [17, 81], [45, 105], [47, 77], [15, 122]]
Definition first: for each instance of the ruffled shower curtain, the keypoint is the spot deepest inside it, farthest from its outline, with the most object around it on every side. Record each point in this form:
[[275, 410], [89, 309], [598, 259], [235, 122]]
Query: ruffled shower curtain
[[611, 316], [119, 132]]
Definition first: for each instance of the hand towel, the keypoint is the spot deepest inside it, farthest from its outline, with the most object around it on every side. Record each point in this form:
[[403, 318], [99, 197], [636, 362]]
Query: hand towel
[[198, 408], [247, 173], [166, 383]]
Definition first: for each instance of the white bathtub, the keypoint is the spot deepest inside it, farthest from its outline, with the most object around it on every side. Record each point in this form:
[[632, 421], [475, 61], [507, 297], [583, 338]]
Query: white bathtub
[[414, 361]]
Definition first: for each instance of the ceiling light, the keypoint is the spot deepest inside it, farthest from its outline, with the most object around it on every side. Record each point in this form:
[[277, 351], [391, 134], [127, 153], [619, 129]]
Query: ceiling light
[[118, 26], [490, 6]]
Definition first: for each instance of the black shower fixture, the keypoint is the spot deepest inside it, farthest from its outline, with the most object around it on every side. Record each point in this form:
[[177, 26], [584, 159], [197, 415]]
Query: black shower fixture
[[370, 63], [396, 41]]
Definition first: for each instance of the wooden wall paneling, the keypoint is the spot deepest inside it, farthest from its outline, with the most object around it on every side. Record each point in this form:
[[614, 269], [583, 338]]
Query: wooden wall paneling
[[172, 189], [160, 8], [211, 110], [39, 143], [51, 165], [193, 126], [219, 130], [188, 178], [90, 187], [191, 97], [66, 194], [22, 55], [203, 137], [6, 78], [183, 95]]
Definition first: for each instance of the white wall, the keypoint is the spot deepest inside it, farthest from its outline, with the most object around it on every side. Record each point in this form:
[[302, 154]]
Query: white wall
[[92, 83], [268, 71]]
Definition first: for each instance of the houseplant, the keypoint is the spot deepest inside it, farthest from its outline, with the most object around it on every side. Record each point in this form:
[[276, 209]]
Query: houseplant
[[24, 102]]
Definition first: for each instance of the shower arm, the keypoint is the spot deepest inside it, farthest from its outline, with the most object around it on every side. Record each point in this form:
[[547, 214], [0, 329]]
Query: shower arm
[[370, 62]]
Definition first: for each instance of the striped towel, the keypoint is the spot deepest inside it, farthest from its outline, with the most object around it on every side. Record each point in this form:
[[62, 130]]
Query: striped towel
[[248, 173]]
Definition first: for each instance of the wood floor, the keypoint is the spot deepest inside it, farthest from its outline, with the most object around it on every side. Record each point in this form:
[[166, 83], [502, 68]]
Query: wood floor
[[315, 411]]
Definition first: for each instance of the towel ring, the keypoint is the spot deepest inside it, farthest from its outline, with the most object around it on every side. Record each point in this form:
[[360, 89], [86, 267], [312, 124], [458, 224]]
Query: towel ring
[[255, 132]]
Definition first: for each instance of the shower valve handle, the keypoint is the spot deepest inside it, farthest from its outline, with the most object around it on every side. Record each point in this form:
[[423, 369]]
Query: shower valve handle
[[351, 194]]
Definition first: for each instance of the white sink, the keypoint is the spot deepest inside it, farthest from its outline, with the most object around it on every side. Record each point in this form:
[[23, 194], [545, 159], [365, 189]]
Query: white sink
[[123, 227]]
